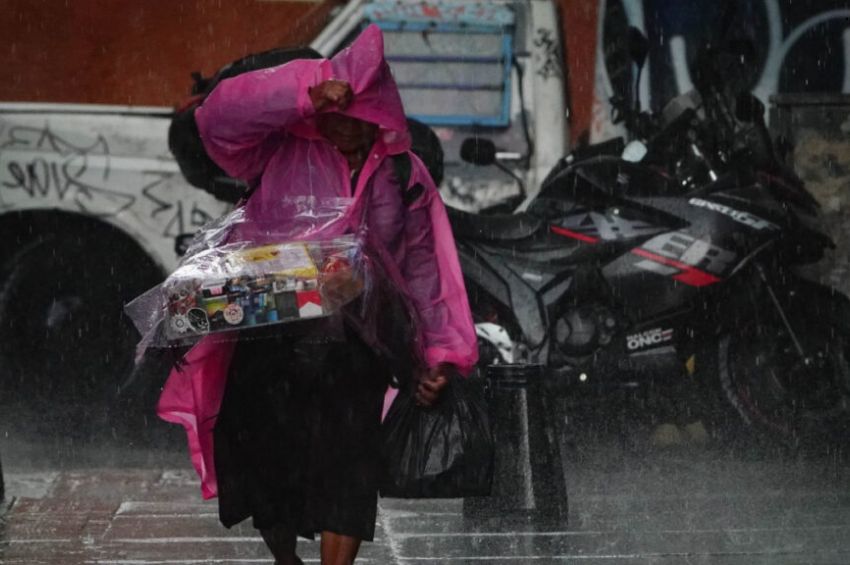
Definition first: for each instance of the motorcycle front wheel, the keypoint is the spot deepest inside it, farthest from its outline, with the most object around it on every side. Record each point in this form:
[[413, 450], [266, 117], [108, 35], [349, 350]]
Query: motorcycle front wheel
[[794, 388]]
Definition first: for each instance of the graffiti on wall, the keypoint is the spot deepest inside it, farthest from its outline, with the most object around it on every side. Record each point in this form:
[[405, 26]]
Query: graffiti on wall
[[177, 217], [45, 165], [41, 167], [548, 64], [796, 47]]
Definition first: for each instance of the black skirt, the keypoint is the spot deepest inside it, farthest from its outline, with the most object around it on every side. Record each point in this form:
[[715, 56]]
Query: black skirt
[[297, 437]]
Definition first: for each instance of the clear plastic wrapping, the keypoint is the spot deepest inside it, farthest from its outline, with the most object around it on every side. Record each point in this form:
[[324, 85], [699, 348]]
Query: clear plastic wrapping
[[301, 262], [238, 286]]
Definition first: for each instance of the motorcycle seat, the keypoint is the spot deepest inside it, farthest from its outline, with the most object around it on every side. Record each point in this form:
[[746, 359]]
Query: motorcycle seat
[[496, 227]]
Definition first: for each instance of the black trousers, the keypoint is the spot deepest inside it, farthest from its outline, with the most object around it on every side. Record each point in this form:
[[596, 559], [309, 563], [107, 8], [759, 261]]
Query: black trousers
[[297, 437]]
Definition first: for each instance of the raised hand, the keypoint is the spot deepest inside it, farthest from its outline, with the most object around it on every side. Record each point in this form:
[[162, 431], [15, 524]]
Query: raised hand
[[331, 92]]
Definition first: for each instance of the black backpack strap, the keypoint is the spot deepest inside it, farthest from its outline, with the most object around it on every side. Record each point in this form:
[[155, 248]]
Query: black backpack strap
[[403, 168]]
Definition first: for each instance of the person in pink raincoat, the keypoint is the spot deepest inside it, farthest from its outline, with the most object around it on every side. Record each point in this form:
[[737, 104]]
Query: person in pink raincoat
[[285, 429]]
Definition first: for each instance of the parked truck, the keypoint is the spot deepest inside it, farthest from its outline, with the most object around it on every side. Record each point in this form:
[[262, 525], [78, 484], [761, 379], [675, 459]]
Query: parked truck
[[93, 207]]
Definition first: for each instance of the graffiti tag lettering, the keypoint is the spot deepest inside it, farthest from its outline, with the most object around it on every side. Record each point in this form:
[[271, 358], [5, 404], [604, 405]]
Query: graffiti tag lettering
[[181, 217], [550, 63], [61, 168]]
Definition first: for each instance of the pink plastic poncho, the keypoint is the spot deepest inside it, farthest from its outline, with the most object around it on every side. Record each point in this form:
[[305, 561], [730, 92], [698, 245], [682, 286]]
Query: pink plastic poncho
[[260, 126]]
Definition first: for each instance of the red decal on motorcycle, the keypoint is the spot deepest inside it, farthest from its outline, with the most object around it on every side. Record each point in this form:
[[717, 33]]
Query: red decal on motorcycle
[[695, 277], [574, 234], [689, 275]]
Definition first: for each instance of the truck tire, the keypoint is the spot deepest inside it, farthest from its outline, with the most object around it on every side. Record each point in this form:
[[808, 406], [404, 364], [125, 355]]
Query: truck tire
[[65, 342]]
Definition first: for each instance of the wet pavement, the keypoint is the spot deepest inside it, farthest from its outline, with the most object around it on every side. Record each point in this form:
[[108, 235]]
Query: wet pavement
[[629, 504]]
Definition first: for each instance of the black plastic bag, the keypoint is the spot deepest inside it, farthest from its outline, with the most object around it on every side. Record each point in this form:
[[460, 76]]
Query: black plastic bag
[[445, 451]]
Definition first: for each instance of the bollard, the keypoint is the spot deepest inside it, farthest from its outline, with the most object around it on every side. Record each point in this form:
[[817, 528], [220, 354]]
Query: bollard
[[528, 480]]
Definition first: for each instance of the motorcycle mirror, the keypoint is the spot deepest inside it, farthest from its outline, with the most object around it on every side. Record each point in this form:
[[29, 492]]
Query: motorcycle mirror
[[478, 151], [748, 108], [638, 46], [634, 152]]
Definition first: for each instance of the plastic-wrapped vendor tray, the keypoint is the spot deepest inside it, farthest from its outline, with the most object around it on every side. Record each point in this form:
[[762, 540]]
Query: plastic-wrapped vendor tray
[[231, 289]]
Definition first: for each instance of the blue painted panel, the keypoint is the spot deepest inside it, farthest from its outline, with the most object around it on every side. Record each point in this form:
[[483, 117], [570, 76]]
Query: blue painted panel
[[428, 12]]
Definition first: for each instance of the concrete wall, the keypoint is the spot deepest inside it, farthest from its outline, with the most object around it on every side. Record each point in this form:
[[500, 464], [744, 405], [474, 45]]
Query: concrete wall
[[816, 129], [137, 52]]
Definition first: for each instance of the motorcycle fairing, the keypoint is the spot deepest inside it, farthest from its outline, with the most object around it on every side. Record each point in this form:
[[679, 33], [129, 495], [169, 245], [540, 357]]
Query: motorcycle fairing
[[609, 224], [652, 350], [492, 274]]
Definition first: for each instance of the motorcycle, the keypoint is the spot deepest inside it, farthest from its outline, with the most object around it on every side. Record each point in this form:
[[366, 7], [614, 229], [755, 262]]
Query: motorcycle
[[636, 262]]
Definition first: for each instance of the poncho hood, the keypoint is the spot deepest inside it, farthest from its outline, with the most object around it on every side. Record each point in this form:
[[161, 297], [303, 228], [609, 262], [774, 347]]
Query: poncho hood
[[376, 96]]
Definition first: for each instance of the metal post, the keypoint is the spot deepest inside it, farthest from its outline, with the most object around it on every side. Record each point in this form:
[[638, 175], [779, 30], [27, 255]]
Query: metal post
[[529, 478]]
